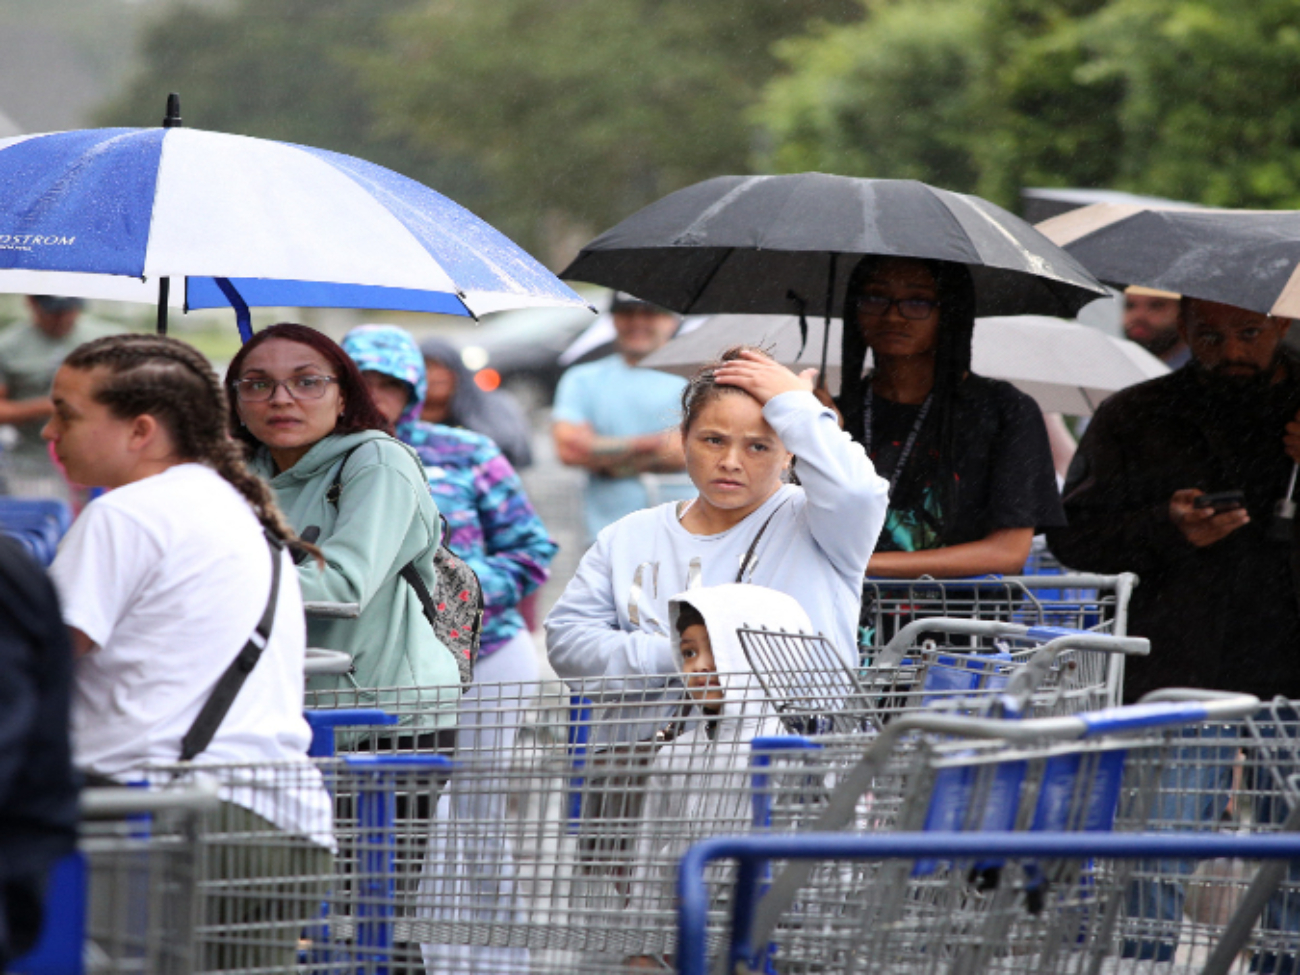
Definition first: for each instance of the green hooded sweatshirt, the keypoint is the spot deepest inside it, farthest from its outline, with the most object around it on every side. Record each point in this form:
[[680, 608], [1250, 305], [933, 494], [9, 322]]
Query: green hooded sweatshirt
[[385, 517]]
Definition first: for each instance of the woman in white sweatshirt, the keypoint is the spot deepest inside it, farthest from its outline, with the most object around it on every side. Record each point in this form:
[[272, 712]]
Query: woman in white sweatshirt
[[745, 420]]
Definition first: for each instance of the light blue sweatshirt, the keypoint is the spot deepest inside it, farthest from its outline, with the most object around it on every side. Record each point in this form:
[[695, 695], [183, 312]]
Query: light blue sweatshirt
[[613, 618]]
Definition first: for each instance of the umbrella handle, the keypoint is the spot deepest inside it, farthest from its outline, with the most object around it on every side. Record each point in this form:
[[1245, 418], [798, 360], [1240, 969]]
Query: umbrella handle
[[802, 304], [826, 332], [242, 317]]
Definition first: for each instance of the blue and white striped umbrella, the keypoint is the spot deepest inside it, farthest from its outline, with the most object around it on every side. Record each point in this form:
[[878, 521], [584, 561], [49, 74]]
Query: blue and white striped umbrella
[[109, 213]]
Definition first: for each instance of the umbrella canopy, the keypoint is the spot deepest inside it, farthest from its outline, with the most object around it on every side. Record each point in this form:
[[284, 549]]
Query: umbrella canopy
[[767, 244], [1066, 368], [111, 213], [1247, 258]]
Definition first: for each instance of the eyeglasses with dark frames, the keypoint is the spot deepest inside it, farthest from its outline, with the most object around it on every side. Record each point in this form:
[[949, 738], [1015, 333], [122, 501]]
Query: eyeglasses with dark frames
[[299, 387], [913, 309]]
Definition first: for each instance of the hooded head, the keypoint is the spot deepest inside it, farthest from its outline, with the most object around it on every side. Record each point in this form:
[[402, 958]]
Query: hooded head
[[390, 350], [728, 609]]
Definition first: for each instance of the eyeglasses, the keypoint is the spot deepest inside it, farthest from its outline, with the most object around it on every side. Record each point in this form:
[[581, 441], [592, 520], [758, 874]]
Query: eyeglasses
[[299, 387], [913, 309]]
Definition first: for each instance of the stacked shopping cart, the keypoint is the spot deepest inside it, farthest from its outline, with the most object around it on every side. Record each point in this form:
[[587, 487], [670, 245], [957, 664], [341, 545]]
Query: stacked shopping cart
[[549, 837]]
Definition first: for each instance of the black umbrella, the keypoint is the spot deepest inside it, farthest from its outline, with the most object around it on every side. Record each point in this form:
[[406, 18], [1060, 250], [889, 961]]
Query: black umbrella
[[1246, 258], [782, 244]]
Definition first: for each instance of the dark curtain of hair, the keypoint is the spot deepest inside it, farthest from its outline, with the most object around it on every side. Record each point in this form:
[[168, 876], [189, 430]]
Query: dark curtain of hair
[[956, 293]]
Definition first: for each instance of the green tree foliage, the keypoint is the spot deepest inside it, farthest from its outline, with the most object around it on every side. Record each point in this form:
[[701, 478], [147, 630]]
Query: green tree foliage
[[279, 69], [1211, 110], [578, 112], [896, 95], [1193, 99]]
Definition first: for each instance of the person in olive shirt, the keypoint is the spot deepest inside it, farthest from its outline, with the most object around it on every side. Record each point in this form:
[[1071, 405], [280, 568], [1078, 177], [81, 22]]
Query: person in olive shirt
[[30, 354]]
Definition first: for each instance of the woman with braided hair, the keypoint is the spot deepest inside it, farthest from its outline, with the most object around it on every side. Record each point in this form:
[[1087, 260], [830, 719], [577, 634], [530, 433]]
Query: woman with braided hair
[[164, 582], [967, 458]]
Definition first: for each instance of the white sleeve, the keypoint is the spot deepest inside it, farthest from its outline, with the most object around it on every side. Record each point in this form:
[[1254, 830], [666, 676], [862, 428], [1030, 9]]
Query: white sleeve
[[846, 498], [583, 635], [100, 569]]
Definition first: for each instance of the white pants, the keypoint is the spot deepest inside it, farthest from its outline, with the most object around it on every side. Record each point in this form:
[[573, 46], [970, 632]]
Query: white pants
[[470, 869]]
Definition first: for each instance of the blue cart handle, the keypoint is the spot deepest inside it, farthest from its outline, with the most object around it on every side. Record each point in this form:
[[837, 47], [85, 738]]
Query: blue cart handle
[[753, 851]]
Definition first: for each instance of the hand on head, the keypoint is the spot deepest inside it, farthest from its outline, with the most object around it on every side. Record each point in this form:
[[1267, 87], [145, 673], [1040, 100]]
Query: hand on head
[[762, 377], [1202, 526]]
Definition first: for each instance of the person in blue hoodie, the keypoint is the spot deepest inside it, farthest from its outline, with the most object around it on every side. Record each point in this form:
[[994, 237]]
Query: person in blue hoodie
[[494, 528]]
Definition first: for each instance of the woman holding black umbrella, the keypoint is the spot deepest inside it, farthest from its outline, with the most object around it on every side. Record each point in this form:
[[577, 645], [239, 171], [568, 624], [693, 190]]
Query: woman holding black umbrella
[[968, 459]]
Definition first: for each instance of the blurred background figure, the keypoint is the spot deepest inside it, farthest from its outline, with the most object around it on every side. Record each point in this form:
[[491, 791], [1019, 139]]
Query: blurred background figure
[[453, 399], [1151, 320], [30, 354], [619, 422]]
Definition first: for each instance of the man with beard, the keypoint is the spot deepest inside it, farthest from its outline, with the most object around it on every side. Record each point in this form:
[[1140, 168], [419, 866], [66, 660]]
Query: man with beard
[[1219, 591], [1151, 320]]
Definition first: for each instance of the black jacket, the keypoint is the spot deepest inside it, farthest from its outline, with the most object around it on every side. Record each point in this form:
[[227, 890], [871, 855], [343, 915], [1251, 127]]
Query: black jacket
[[1226, 616], [38, 792]]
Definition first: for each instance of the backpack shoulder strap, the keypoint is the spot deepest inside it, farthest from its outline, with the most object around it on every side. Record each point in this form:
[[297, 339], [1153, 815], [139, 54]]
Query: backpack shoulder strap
[[227, 688], [333, 492]]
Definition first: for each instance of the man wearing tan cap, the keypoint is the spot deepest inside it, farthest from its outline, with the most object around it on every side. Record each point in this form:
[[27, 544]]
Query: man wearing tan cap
[[1151, 320]]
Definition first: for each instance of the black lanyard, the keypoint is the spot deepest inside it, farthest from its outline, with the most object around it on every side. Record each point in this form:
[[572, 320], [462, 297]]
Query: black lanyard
[[908, 444]]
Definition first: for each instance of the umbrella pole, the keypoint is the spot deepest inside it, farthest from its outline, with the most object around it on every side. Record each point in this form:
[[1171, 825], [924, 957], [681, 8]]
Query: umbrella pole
[[171, 120], [826, 331], [243, 319], [164, 292]]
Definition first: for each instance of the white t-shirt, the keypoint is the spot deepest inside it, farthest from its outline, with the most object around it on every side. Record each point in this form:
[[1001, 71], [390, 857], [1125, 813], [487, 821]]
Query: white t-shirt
[[169, 577]]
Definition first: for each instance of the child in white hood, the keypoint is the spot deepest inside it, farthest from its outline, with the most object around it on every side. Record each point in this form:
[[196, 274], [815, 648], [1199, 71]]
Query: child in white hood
[[699, 785]]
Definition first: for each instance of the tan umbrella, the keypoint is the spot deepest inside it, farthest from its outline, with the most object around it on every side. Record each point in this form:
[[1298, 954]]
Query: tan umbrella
[[1247, 258], [1066, 368]]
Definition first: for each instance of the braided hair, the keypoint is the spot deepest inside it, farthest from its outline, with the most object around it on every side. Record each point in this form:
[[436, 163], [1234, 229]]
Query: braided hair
[[938, 438], [173, 383]]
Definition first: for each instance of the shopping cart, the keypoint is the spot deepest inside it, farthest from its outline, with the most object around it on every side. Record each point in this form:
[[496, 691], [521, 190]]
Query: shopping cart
[[1072, 600], [124, 903], [37, 524], [1046, 669], [1090, 772], [1062, 931], [557, 851], [285, 883], [1237, 777]]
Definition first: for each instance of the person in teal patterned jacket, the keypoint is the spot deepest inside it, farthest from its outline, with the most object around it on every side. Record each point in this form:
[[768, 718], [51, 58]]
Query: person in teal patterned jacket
[[493, 525]]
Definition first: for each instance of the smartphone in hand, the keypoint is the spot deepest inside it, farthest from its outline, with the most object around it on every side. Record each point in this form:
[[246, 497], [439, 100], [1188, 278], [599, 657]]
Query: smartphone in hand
[[1221, 501]]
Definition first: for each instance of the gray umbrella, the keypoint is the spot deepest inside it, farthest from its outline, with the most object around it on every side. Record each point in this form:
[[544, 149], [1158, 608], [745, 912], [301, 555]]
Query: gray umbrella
[[1066, 368], [783, 244], [1247, 258]]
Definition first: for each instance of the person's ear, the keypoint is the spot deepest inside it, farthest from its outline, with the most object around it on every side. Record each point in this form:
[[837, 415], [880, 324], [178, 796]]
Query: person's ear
[[1283, 326], [144, 431]]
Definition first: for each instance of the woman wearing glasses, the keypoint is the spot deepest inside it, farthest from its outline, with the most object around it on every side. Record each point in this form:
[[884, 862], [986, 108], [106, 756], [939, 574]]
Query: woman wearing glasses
[[967, 458], [345, 483]]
